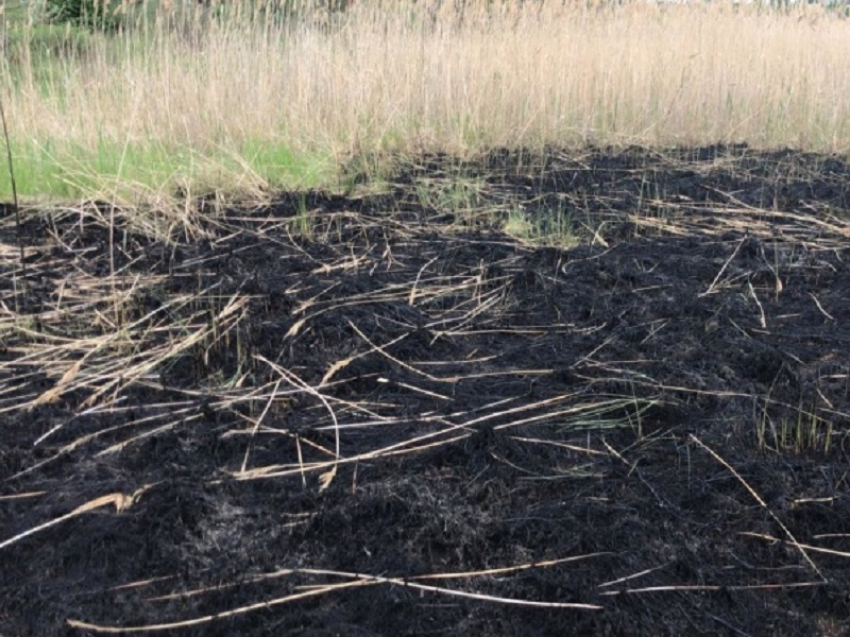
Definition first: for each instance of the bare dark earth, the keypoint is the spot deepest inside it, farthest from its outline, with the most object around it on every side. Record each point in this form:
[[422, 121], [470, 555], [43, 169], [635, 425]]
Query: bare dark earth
[[410, 422]]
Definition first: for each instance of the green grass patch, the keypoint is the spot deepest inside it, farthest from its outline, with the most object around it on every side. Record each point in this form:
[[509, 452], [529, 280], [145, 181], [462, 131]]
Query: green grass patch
[[132, 172], [281, 167], [553, 227]]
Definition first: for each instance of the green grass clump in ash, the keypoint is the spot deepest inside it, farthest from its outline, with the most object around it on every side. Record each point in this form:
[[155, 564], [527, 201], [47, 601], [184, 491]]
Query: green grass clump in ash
[[274, 85], [543, 226], [800, 430]]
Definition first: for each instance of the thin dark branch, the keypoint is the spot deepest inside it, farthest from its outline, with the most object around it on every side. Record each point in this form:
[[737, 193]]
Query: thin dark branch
[[14, 187]]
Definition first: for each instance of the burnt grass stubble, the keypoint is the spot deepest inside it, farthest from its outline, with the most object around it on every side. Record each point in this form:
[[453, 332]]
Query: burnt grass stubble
[[593, 380]]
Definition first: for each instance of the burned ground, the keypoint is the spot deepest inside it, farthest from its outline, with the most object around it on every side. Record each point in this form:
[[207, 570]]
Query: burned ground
[[571, 393]]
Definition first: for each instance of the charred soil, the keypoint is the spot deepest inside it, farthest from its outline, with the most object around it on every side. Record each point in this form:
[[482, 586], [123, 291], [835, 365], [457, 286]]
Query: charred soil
[[571, 393]]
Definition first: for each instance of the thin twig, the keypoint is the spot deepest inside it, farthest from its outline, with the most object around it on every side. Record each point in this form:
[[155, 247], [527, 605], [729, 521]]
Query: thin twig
[[725, 265], [358, 580], [14, 188], [763, 504]]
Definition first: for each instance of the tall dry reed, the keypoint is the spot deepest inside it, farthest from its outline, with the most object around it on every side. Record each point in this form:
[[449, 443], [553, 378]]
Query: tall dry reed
[[407, 76]]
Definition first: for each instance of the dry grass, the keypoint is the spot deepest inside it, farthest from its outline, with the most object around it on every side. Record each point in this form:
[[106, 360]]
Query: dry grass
[[207, 101]]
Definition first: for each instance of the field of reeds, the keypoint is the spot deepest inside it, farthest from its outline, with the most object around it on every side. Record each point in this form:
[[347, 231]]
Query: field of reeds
[[425, 317], [244, 96]]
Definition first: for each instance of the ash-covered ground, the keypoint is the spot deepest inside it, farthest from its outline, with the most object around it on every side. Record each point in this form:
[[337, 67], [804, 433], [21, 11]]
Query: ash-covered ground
[[587, 393]]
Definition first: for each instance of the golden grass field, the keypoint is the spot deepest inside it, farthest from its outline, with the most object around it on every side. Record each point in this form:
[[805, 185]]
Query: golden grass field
[[246, 102]]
